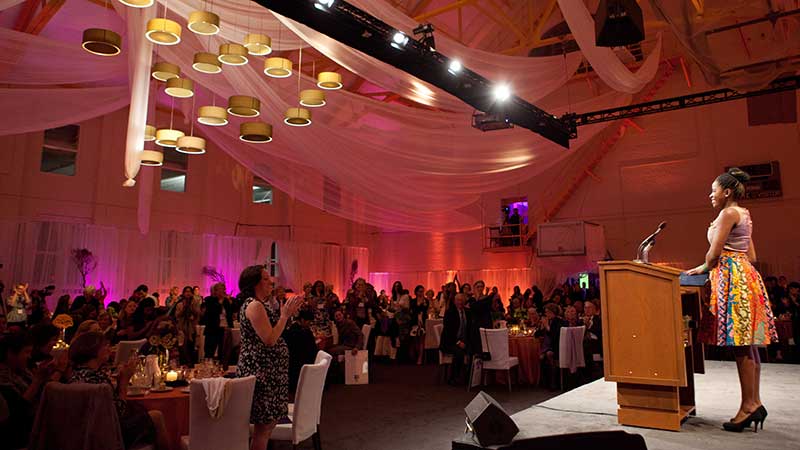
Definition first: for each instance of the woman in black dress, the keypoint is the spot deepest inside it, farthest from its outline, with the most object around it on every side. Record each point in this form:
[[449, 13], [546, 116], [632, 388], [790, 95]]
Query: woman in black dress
[[264, 353]]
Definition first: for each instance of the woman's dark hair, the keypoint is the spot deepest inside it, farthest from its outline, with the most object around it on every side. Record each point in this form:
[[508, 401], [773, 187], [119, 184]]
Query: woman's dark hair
[[86, 346], [77, 303], [397, 289], [138, 318], [553, 308], [318, 288], [114, 306], [734, 180], [43, 333], [463, 287], [249, 279], [191, 289], [13, 342], [62, 307], [419, 287]]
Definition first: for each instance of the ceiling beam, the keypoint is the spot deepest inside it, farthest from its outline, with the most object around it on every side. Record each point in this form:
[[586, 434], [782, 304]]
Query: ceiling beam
[[43, 18], [433, 13], [26, 14], [499, 16]]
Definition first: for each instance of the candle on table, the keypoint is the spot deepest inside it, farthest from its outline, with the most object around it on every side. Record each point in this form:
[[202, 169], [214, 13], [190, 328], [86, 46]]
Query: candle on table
[[172, 376]]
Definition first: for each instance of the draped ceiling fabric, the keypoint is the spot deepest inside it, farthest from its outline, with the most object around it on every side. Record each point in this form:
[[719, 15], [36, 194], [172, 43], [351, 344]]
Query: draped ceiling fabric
[[387, 165]]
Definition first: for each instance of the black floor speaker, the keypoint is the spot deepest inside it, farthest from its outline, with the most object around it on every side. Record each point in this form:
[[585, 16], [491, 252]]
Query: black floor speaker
[[616, 440], [488, 421]]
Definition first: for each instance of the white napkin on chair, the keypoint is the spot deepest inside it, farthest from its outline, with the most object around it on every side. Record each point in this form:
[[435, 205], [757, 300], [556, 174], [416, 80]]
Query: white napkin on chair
[[217, 394]]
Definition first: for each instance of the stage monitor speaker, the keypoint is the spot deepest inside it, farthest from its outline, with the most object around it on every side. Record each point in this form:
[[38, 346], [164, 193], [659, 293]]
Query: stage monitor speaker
[[489, 422], [618, 23], [616, 440]]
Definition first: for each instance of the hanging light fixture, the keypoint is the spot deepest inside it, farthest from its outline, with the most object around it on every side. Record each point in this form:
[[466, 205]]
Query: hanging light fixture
[[232, 54], [206, 63], [164, 71], [149, 133], [180, 88], [168, 137], [278, 67], [138, 3], [312, 98], [191, 145], [162, 31], [152, 158], [244, 106], [101, 42], [255, 132], [215, 116], [330, 81], [297, 117], [258, 44], [203, 22]]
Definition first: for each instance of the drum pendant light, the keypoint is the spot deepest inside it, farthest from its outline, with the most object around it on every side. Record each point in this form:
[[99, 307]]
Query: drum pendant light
[[203, 22], [329, 81], [215, 116], [152, 158], [163, 31], [138, 3], [244, 106], [180, 88], [298, 117], [278, 67], [258, 44], [206, 63], [168, 137], [149, 133], [191, 145], [232, 54], [312, 98], [101, 42], [255, 132], [164, 71]]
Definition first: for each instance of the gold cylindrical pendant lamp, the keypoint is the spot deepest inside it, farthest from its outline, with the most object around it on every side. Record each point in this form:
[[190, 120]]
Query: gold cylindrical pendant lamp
[[255, 132], [203, 22], [152, 158], [164, 71], [138, 3], [258, 44], [232, 54], [215, 116], [191, 145], [180, 88], [149, 133], [244, 106], [312, 98], [206, 63], [101, 42], [162, 31], [329, 81], [297, 117], [278, 67], [168, 137]]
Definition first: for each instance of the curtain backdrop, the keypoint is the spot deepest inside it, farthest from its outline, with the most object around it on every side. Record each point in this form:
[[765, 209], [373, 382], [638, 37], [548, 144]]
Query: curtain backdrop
[[39, 253]]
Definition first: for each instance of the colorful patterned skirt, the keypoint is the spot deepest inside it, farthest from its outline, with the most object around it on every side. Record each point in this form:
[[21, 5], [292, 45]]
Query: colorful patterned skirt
[[739, 300]]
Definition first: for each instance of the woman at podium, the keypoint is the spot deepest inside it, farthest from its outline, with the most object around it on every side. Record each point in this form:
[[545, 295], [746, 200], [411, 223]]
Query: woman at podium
[[739, 300]]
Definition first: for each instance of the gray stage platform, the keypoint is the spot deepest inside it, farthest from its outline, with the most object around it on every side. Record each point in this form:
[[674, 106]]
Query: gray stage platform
[[717, 396]]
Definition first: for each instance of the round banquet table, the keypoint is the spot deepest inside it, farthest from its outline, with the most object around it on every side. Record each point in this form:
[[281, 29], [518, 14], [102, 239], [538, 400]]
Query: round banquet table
[[175, 407], [785, 331], [526, 348]]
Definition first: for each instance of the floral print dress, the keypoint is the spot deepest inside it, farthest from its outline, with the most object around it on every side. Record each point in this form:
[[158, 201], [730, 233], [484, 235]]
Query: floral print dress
[[270, 366]]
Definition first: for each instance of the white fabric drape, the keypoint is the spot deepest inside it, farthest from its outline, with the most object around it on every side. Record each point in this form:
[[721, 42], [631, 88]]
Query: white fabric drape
[[603, 60], [302, 262]]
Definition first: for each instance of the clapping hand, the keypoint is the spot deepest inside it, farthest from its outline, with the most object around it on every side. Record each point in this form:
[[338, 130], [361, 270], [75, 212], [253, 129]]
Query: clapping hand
[[290, 306]]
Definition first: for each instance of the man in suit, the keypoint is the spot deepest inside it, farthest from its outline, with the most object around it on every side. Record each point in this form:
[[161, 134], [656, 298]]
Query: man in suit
[[593, 338], [455, 336], [480, 312]]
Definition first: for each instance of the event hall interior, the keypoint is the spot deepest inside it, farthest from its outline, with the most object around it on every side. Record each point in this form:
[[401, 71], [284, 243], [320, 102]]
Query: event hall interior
[[251, 224]]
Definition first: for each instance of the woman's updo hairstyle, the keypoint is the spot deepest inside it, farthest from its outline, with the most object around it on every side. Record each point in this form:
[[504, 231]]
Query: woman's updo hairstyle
[[734, 180]]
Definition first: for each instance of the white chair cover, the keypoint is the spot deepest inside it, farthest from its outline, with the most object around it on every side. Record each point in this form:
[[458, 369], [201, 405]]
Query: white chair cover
[[495, 342], [366, 330], [232, 430], [443, 357], [307, 405], [570, 348], [334, 333], [127, 348]]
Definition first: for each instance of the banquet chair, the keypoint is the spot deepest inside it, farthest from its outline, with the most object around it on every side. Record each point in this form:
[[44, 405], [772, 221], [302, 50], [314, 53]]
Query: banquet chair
[[231, 430], [445, 360], [570, 350], [307, 407], [125, 349], [321, 357], [334, 333], [495, 342], [57, 426]]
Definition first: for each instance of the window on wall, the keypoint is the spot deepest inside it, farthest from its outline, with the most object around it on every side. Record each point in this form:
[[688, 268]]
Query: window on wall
[[262, 191], [60, 150], [273, 260], [174, 170]]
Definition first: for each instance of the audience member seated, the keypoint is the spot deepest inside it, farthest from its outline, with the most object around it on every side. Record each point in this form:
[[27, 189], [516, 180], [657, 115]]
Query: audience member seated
[[404, 321], [318, 305], [89, 352], [302, 345], [455, 337], [125, 321], [516, 313], [143, 320], [358, 306], [550, 328], [62, 307], [571, 317], [106, 324], [350, 335], [43, 337]]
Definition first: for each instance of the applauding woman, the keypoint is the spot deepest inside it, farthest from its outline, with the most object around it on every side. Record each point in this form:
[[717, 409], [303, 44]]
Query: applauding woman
[[739, 300]]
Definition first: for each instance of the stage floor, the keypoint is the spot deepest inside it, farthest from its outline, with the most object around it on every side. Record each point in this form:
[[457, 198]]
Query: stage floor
[[593, 407]]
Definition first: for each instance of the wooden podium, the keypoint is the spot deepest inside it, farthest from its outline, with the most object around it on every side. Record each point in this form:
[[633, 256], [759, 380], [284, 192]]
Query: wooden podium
[[647, 346]]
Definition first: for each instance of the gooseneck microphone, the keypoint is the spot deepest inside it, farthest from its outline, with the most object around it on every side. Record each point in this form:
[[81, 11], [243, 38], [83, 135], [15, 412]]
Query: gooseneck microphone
[[643, 251]]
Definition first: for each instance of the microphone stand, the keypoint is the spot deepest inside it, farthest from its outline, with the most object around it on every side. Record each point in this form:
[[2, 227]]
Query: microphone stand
[[643, 252]]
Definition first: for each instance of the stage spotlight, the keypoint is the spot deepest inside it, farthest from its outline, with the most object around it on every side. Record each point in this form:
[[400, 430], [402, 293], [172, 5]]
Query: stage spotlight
[[323, 5], [424, 34], [454, 67], [502, 92], [399, 40]]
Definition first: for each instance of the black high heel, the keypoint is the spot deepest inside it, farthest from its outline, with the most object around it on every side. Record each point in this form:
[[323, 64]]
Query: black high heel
[[754, 419], [763, 412]]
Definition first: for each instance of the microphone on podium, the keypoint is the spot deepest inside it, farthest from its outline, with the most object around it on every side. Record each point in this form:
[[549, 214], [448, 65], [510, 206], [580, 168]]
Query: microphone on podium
[[643, 251]]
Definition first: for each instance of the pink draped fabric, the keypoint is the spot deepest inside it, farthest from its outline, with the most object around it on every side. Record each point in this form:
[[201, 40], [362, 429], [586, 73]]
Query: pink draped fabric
[[603, 60]]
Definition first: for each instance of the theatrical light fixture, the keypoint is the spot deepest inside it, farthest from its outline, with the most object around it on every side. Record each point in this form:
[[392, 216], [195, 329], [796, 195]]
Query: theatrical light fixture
[[206, 63], [164, 71], [152, 158], [149, 133], [244, 106], [322, 5], [215, 116], [203, 22], [502, 92], [330, 81], [255, 132], [297, 117], [163, 31], [101, 42], [191, 145], [179, 88], [454, 67], [232, 54], [424, 34], [399, 40]]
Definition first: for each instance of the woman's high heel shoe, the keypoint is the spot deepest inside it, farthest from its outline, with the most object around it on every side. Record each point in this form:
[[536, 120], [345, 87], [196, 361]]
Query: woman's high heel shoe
[[755, 418]]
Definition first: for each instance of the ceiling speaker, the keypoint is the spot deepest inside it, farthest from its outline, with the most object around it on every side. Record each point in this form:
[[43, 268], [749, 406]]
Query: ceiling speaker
[[618, 23]]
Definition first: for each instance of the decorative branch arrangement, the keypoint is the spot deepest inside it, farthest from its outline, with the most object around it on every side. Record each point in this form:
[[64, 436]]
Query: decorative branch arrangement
[[85, 262], [214, 274]]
